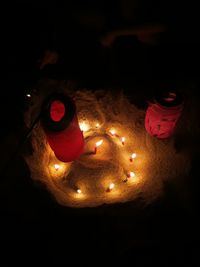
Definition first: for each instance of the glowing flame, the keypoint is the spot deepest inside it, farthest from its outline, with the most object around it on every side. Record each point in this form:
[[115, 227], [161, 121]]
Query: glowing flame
[[133, 156], [99, 143], [131, 174], [84, 126], [28, 95], [79, 191], [123, 140], [56, 166], [113, 132], [97, 125], [111, 186]]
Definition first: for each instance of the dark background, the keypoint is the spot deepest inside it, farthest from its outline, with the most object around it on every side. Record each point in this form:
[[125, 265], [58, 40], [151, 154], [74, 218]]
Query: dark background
[[34, 228]]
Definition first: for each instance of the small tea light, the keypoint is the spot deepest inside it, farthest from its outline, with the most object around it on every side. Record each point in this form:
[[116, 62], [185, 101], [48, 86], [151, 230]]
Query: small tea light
[[28, 95], [57, 167], [133, 156], [99, 143], [130, 174], [110, 188], [123, 140], [79, 191]]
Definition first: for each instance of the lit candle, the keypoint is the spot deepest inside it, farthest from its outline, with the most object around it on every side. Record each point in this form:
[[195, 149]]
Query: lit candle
[[130, 174], [123, 140], [133, 156], [97, 125], [113, 133], [57, 167], [79, 191], [97, 145], [84, 127], [28, 95], [111, 186]]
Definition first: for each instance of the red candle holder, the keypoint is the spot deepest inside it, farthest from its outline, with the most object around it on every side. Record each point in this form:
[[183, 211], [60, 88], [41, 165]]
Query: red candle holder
[[61, 127]]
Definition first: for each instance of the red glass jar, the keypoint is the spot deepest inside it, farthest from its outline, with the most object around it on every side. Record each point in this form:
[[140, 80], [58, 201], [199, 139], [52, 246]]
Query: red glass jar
[[163, 113], [61, 127]]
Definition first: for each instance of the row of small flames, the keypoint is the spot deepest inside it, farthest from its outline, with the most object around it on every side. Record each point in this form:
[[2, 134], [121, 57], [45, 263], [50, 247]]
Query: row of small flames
[[84, 127]]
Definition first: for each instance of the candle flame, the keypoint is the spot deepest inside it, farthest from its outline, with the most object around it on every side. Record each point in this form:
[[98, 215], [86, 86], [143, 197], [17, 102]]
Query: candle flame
[[56, 166], [97, 125], [133, 156], [84, 126], [113, 132], [79, 191], [99, 143], [111, 186], [131, 174], [28, 95], [123, 139]]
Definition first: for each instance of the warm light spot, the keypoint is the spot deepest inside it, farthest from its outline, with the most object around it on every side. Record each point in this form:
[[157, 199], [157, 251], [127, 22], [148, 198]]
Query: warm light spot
[[97, 125], [131, 174], [99, 143], [79, 191], [115, 193], [111, 186], [112, 132], [28, 95], [57, 167], [79, 194], [133, 156], [123, 140], [84, 126]]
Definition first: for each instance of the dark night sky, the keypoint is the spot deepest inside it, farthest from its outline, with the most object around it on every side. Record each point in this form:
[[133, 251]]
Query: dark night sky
[[32, 223]]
